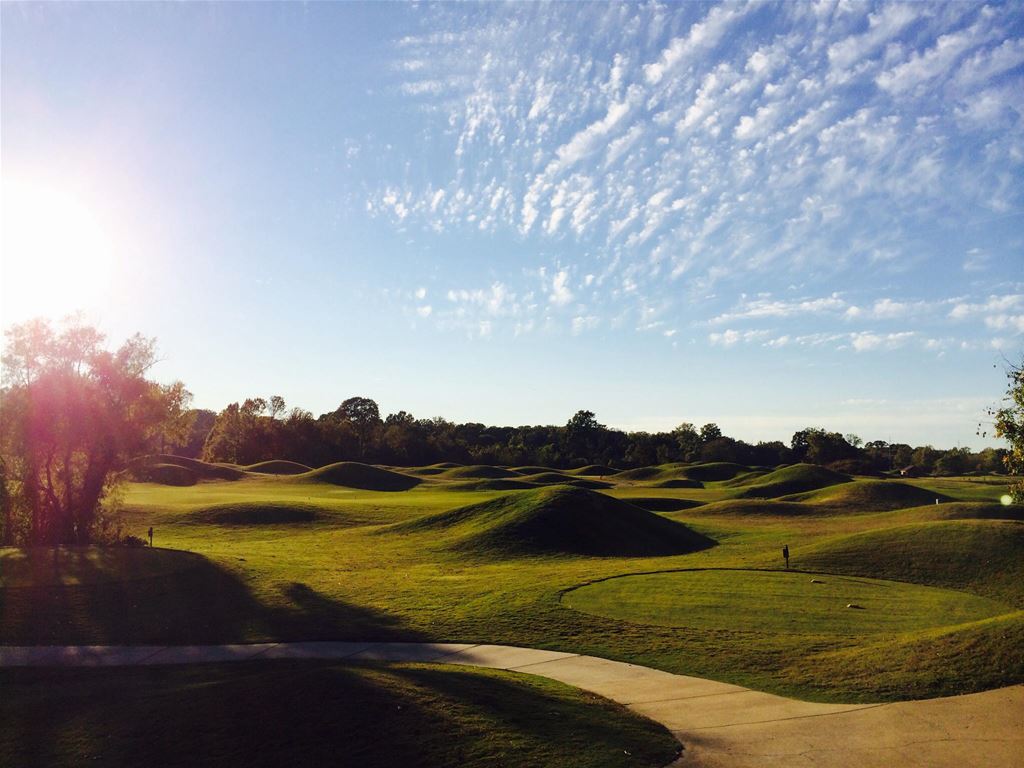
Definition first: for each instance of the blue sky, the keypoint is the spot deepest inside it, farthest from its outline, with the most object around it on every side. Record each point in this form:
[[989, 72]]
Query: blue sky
[[765, 215]]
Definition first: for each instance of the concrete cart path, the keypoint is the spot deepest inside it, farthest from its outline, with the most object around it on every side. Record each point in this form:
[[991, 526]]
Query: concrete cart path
[[720, 725]]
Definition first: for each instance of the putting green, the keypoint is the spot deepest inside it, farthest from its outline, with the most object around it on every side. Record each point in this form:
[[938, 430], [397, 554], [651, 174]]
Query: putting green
[[778, 602]]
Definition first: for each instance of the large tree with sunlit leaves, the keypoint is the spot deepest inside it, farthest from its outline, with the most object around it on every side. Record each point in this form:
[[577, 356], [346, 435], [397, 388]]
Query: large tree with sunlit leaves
[[73, 414]]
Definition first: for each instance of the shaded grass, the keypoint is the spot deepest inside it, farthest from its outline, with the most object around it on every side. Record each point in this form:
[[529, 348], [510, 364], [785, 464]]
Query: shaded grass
[[278, 467], [316, 713]]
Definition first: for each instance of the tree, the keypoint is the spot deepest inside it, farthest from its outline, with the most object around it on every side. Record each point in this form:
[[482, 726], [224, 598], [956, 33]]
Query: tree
[[74, 414], [688, 440], [710, 432], [581, 432], [1009, 425], [364, 416]]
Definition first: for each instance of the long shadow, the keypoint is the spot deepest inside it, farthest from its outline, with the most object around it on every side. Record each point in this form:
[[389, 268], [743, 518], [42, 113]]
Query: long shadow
[[308, 713], [201, 602]]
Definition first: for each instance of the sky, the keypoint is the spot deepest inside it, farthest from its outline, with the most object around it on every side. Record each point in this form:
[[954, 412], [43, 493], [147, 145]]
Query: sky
[[766, 215]]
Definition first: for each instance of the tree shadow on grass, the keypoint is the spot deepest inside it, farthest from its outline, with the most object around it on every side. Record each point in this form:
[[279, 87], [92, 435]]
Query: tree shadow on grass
[[200, 602], [312, 713]]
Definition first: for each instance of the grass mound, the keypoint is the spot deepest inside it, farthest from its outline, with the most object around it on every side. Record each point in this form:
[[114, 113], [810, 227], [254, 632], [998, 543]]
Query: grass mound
[[157, 466], [663, 503], [500, 484], [871, 495], [679, 482], [479, 472], [257, 513], [548, 478], [641, 473], [353, 474], [594, 470], [797, 478], [163, 474], [531, 470], [984, 556], [586, 482], [559, 520], [760, 507], [278, 467], [715, 471]]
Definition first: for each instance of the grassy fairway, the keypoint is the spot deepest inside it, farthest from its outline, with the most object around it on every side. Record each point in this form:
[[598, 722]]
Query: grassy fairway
[[774, 601], [316, 713], [457, 559]]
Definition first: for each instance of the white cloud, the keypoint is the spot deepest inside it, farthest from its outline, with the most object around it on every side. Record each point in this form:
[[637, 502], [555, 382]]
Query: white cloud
[[560, 295]]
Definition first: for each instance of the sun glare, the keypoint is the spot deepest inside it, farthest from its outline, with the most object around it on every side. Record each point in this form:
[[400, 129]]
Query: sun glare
[[57, 256]]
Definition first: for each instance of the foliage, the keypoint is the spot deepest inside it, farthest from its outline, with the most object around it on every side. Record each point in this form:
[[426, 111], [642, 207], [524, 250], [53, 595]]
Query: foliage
[[1009, 425], [74, 414]]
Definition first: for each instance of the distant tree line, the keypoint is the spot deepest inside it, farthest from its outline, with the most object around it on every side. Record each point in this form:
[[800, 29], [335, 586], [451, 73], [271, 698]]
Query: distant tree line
[[259, 429]]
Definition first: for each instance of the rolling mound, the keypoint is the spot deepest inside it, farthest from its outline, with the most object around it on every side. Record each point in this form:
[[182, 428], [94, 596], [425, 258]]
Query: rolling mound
[[769, 507], [797, 478], [679, 482], [641, 473], [278, 467], [663, 504], [559, 520], [548, 478], [353, 474], [500, 484], [164, 474], [479, 472], [594, 470], [586, 482], [715, 471], [155, 466], [256, 513], [871, 494], [970, 510], [425, 471], [531, 470], [983, 556]]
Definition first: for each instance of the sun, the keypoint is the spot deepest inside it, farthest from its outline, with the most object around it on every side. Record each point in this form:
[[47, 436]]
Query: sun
[[57, 256]]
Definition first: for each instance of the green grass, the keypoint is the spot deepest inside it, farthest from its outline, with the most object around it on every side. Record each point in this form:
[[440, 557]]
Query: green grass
[[561, 519], [353, 474], [797, 478], [316, 713], [869, 495], [779, 602], [278, 467], [375, 565]]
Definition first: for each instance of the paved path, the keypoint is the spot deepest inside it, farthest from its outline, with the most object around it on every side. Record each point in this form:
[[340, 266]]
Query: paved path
[[720, 725]]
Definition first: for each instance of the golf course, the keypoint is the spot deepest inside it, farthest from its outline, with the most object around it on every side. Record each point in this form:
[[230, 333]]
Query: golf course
[[895, 590]]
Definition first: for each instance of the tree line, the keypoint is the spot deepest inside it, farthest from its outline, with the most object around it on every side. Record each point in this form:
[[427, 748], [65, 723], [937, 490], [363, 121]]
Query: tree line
[[258, 429]]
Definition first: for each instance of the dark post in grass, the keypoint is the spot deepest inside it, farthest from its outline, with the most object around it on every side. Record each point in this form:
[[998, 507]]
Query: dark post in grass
[[151, 536], [785, 553]]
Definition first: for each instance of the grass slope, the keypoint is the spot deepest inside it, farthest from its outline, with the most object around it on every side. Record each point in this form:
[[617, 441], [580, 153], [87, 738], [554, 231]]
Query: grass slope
[[257, 513], [200, 470], [278, 467], [316, 713], [353, 474], [983, 556], [871, 495], [559, 520], [594, 470], [797, 478], [479, 472]]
